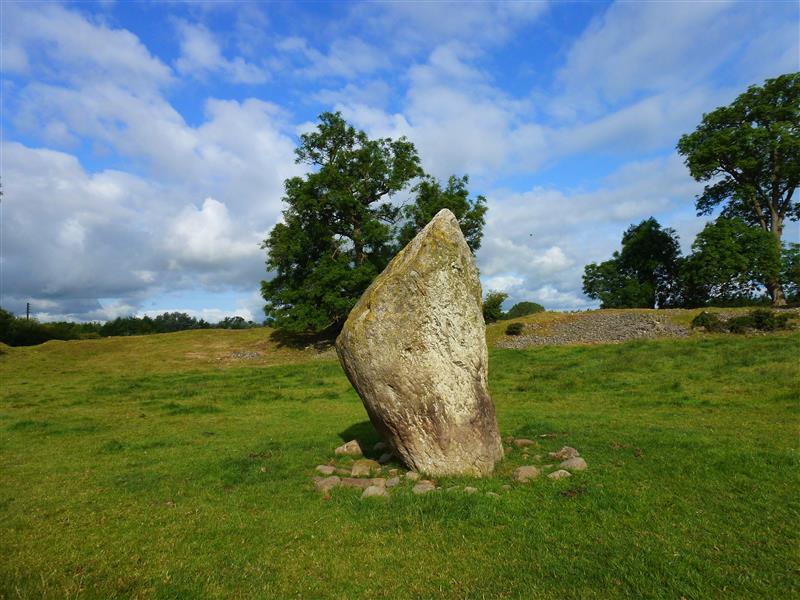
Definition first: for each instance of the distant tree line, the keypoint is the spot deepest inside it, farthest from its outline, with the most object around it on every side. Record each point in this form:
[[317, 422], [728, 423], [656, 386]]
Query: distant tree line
[[19, 331], [748, 153], [731, 264]]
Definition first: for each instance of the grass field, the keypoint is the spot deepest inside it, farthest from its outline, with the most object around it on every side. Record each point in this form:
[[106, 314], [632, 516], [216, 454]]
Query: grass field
[[151, 467]]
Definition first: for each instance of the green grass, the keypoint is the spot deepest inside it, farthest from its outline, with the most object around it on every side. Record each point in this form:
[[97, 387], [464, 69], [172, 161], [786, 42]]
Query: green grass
[[129, 470]]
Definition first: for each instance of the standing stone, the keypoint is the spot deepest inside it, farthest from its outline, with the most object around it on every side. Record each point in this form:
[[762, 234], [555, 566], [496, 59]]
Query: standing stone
[[414, 348]]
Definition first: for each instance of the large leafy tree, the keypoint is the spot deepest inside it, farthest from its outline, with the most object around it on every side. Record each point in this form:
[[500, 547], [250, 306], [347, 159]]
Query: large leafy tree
[[431, 197], [338, 228], [729, 264], [643, 274], [749, 155]]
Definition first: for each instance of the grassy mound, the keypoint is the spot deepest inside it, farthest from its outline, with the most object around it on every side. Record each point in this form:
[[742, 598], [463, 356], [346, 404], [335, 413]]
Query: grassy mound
[[150, 467]]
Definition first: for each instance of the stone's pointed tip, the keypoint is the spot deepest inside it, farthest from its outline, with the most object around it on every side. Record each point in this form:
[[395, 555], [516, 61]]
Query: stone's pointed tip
[[445, 213]]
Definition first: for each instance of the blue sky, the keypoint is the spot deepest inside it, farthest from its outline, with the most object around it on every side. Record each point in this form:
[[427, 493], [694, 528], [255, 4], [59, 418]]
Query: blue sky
[[145, 145]]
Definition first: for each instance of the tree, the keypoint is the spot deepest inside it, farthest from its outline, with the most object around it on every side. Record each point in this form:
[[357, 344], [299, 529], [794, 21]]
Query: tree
[[522, 309], [749, 153], [431, 198], [730, 261], [790, 271], [644, 274], [338, 229], [493, 306]]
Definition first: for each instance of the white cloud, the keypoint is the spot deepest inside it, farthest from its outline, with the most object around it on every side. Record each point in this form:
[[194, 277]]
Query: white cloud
[[69, 43], [206, 238], [201, 55], [413, 27], [537, 243], [643, 48], [346, 57]]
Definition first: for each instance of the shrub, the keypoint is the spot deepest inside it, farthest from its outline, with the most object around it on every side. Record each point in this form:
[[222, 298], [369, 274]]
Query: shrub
[[522, 309], [708, 321], [767, 320], [493, 306], [741, 324], [514, 329]]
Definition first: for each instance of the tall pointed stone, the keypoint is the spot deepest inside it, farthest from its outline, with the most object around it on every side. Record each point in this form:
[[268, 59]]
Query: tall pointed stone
[[414, 348]]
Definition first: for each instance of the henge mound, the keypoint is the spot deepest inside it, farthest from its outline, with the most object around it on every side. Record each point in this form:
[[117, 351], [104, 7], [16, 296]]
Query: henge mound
[[414, 348]]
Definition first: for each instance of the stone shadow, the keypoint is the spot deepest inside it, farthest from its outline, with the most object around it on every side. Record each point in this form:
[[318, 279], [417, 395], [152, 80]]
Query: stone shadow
[[366, 436], [299, 341]]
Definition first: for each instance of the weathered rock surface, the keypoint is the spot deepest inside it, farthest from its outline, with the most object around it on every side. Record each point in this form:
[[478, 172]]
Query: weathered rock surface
[[560, 474], [375, 491], [412, 475], [357, 482], [364, 467], [414, 348], [565, 453], [423, 487], [392, 482], [350, 448], [526, 473], [523, 442], [326, 484], [326, 469], [574, 464]]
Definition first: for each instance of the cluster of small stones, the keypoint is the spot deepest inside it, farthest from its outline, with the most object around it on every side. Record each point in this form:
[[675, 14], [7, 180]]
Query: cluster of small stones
[[596, 327], [568, 461], [376, 479]]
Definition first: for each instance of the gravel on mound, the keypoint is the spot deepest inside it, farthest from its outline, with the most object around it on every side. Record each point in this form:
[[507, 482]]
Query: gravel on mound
[[596, 327]]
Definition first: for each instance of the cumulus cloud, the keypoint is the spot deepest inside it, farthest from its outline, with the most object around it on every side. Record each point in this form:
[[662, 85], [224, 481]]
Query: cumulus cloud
[[537, 243], [201, 55], [206, 238], [646, 48], [346, 57], [70, 51]]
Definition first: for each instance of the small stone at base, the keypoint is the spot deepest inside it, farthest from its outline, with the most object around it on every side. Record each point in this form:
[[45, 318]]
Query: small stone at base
[[423, 487], [522, 442], [574, 464], [350, 448], [375, 491], [526, 473], [326, 484], [326, 469]]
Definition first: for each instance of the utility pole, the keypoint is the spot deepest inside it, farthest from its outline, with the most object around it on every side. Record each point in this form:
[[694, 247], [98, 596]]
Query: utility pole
[[27, 311]]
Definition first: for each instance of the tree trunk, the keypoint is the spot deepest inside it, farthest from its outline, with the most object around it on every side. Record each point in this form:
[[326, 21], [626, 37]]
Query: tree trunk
[[358, 246], [774, 286], [775, 290]]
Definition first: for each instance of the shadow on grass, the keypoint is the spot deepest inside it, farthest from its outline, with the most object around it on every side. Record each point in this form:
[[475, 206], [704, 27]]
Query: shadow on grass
[[366, 436], [299, 341]]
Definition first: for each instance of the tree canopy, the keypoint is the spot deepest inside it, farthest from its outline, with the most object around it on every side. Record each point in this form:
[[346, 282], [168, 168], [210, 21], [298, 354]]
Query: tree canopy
[[643, 274], [730, 261], [493, 306], [749, 155], [431, 197], [522, 309], [340, 227]]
